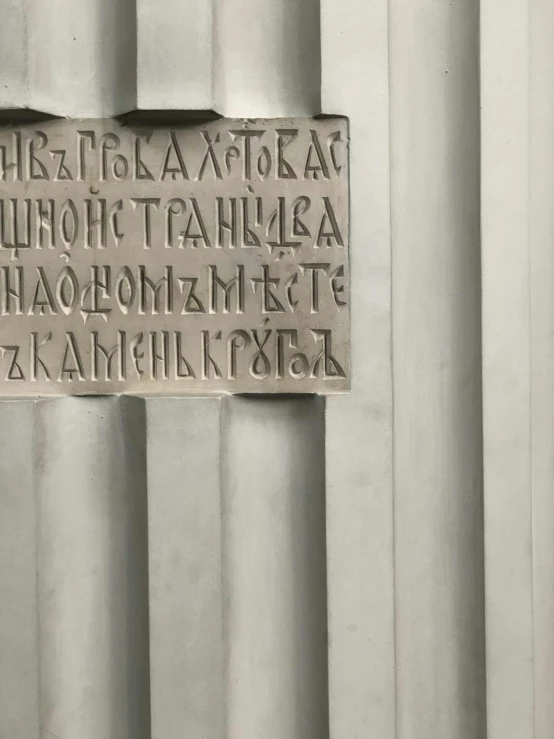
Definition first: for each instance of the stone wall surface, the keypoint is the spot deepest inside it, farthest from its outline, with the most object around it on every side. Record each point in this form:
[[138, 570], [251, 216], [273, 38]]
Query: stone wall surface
[[371, 563]]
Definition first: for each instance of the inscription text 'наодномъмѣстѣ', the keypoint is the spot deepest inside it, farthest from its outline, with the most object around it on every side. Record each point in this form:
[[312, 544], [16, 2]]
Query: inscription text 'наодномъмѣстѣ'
[[205, 258]]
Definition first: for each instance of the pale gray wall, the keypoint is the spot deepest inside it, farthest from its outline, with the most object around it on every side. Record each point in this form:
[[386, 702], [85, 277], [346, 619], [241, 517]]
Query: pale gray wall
[[414, 568]]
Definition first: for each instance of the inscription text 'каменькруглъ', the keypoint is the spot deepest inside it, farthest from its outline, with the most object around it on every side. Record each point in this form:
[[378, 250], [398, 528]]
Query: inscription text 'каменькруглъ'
[[206, 258]]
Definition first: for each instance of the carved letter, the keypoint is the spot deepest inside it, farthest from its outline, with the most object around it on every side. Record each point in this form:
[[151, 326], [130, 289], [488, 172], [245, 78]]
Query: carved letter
[[69, 223], [147, 219], [173, 148], [325, 360], [207, 359], [279, 219], [99, 288], [289, 284], [210, 156], [314, 170], [15, 292], [215, 282], [236, 340], [137, 355], [188, 234], [39, 141], [141, 170], [183, 369], [338, 290], [16, 166], [21, 238], [300, 206], [334, 233], [155, 357], [249, 238], [82, 137], [45, 222], [315, 269], [260, 366], [67, 290], [14, 370], [71, 353], [246, 137], [175, 207], [125, 290], [108, 142], [334, 139], [192, 303], [116, 351], [285, 136], [270, 302], [62, 172], [47, 301], [222, 225], [36, 361], [120, 167], [155, 290]]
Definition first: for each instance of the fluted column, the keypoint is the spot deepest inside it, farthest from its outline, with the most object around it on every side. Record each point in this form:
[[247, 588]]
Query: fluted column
[[274, 575], [267, 64], [92, 569], [81, 57], [517, 64], [267, 58], [507, 380], [439, 592], [174, 54], [359, 433], [14, 85], [184, 536], [18, 609]]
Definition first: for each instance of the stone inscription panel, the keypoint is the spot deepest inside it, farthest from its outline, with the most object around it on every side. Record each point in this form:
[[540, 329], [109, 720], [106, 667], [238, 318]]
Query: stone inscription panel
[[197, 259]]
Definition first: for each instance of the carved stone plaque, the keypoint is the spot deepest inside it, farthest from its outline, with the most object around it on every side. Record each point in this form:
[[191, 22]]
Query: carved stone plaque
[[197, 259]]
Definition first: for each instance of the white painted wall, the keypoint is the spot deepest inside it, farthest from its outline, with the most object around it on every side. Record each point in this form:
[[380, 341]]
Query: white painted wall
[[517, 207], [436, 470]]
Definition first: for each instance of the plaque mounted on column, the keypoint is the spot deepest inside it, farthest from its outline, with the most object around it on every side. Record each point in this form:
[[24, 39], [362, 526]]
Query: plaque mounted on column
[[204, 258]]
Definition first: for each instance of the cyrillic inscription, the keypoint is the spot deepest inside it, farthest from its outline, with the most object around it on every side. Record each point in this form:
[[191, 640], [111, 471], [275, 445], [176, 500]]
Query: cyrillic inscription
[[205, 258]]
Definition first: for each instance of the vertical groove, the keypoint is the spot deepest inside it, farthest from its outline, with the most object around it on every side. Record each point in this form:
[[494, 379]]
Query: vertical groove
[[541, 315], [439, 591], [359, 425], [18, 613], [14, 85], [267, 64], [267, 58], [92, 568], [185, 567], [174, 54], [82, 57], [274, 568], [508, 140]]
